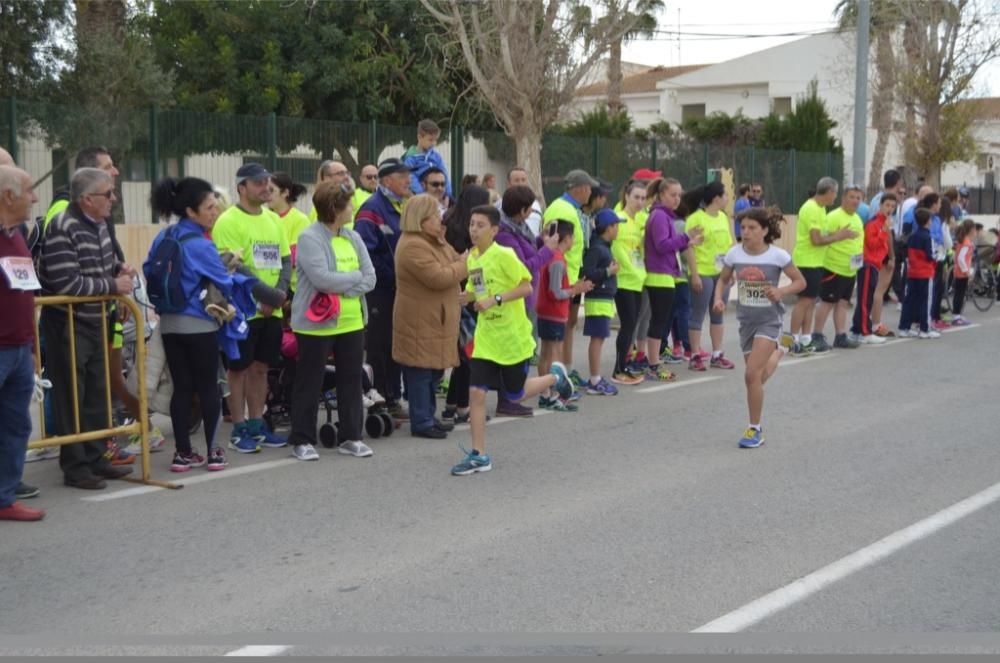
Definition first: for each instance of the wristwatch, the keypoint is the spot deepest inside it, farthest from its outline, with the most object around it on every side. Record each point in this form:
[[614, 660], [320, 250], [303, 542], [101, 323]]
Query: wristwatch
[[498, 299]]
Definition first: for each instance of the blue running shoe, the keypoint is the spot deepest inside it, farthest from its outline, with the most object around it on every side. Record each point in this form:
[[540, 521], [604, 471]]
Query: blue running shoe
[[563, 383], [242, 441], [752, 438], [602, 388], [474, 462], [264, 437]]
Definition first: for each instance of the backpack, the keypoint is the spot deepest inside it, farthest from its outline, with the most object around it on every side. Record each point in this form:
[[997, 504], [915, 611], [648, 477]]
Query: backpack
[[163, 273]]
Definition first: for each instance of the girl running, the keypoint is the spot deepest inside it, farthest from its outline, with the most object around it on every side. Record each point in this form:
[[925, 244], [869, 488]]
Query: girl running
[[718, 232], [757, 266]]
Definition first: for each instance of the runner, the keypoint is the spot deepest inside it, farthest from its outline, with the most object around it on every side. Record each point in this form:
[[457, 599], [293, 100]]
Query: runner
[[757, 265]]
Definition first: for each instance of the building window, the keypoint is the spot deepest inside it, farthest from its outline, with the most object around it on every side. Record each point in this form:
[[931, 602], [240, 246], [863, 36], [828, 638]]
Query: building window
[[781, 106], [692, 112]]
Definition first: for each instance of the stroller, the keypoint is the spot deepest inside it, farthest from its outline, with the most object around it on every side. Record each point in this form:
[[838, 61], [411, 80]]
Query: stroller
[[280, 379]]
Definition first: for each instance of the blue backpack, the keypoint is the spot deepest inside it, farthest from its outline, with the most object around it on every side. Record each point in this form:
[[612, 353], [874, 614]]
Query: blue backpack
[[163, 273]]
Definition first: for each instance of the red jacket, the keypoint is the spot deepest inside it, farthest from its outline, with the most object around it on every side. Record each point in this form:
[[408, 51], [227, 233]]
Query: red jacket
[[546, 305], [877, 240]]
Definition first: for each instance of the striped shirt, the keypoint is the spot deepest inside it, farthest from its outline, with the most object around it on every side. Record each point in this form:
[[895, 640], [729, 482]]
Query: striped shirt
[[78, 260]]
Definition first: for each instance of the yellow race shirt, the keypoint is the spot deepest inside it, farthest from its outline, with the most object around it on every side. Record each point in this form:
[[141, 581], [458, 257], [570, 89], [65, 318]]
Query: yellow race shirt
[[561, 209], [294, 221], [806, 254], [718, 240], [627, 250], [846, 256], [503, 332], [259, 239], [351, 316]]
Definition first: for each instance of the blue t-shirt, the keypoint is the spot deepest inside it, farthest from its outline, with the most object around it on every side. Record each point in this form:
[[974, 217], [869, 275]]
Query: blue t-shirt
[[864, 211], [741, 204]]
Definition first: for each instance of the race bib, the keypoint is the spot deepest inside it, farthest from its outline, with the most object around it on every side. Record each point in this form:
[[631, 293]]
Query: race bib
[[267, 256], [637, 260], [478, 282], [857, 261], [20, 273], [751, 293], [720, 262]]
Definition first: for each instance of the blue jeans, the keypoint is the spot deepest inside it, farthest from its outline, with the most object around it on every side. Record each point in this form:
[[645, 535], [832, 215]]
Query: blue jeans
[[421, 397], [17, 382], [681, 316]]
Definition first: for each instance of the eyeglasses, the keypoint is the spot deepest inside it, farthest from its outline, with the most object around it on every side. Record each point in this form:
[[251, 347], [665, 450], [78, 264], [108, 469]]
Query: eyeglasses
[[369, 177], [107, 194], [436, 185]]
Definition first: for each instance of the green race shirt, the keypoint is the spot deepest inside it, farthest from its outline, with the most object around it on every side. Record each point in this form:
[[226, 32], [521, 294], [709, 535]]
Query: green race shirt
[[294, 222], [806, 254], [259, 239], [351, 316], [54, 211], [503, 333], [718, 240], [562, 210], [627, 250], [846, 256]]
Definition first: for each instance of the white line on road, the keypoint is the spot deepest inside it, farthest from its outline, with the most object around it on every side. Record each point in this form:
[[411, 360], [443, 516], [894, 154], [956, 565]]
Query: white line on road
[[804, 587], [955, 329], [804, 360], [504, 420], [675, 385], [259, 650]]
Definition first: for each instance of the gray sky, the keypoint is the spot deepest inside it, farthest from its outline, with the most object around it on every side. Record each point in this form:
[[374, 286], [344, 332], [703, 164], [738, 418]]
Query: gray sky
[[739, 17]]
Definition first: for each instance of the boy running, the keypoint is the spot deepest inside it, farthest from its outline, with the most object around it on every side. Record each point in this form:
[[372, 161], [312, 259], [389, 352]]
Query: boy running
[[503, 343], [757, 265]]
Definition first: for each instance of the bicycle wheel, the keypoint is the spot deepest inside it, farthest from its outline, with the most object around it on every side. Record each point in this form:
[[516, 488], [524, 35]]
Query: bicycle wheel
[[983, 289]]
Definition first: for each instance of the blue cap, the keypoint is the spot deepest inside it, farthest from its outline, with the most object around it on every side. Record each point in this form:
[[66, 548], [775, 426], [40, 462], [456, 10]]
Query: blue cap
[[251, 171], [605, 218]]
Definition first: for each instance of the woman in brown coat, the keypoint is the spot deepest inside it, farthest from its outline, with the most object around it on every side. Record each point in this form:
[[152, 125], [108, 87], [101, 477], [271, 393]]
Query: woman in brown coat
[[426, 313]]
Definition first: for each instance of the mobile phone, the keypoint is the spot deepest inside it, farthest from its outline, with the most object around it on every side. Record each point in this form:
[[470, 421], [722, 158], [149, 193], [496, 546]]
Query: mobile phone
[[552, 229]]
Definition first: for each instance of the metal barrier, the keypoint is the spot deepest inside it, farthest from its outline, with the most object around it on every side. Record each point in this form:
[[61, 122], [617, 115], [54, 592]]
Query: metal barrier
[[141, 425]]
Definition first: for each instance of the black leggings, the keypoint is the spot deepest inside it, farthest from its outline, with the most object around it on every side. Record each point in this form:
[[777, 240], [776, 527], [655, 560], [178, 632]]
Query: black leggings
[[193, 360], [458, 384], [958, 303], [661, 308], [309, 372], [628, 303]]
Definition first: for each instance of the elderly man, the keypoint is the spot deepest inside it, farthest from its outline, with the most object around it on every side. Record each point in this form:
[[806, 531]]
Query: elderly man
[[17, 335], [77, 259], [255, 233], [378, 223], [331, 171], [569, 207], [367, 183]]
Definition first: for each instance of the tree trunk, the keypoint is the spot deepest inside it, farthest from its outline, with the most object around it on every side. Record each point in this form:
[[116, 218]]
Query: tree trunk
[[528, 143], [883, 104], [615, 78]]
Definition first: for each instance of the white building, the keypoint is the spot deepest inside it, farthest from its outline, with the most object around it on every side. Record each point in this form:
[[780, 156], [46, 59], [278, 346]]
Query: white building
[[985, 170], [640, 95]]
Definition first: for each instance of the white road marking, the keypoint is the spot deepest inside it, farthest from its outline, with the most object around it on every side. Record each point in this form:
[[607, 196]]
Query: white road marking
[[784, 597], [804, 360], [676, 385], [504, 420], [956, 329], [259, 650]]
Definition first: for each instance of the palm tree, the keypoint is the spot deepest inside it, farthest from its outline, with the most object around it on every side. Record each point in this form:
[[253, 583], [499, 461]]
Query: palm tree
[[884, 20], [645, 27]]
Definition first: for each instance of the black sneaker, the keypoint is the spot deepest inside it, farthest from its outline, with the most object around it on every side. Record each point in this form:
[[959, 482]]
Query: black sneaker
[[446, 426], [432, 433], [25, 492], [819, 344]]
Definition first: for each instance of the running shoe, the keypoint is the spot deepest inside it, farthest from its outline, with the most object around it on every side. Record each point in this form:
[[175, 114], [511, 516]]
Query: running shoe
[[117, 456], [720, 361], [660, 373], [959, 321], [45, 453], [601, 388], [266, 438], [574, 397], [638, 366], [697, 363], [473, 462], [843, 341], [564, 381], [929, 334], [156, 442], [305, 452], [355, 448], [671, 358], [242, 441], [183, 462], [25, 492], [556, 404], [624, 377], [938, 325], [819, 344], [905, 333], [884, 332], [872, 339], [752, 438], [512, 409], [448, 414], [375, 399], [786, 343], [217, 460], [576, 378]]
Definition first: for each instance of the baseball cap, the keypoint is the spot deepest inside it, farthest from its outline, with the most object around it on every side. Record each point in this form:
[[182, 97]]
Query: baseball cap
[[575, 178], [391, 166], [605, 218], [647, 174], [251, 171], [323, 307]]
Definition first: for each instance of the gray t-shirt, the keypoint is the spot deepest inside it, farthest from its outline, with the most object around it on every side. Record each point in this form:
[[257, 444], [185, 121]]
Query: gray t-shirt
[[752, 274]]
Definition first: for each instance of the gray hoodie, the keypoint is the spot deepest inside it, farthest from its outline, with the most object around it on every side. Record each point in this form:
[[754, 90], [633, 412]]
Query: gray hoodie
[[317, 269]]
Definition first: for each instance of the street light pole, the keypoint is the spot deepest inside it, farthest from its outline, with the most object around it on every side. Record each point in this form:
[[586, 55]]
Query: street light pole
[[861, 93]]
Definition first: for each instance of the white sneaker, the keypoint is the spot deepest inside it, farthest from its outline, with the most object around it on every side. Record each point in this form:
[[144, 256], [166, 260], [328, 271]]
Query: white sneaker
[[375, 397], [904, 333], [46, 453], [872, 339], [305, 452], [931, 334], [156, 442], [355, 448]]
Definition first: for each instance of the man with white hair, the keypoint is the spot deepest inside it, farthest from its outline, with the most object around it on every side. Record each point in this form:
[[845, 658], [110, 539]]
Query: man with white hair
[[17, 336], [77, 259]]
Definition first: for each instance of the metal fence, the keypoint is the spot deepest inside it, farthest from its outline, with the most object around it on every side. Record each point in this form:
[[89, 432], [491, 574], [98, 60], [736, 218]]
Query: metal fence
[[148, 144]]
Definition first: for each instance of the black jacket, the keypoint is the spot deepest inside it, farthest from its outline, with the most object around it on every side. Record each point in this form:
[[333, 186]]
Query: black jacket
[[596, 260]]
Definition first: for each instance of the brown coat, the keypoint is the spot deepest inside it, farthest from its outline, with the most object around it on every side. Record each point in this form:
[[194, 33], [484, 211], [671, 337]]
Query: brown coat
[[426, 314]]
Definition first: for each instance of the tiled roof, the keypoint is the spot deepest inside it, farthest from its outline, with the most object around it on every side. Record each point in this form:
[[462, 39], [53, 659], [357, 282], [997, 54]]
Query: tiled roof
[[644, 82]]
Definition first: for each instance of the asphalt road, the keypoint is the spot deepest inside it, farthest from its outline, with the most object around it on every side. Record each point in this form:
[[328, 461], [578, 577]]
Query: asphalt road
[[613, 530]]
